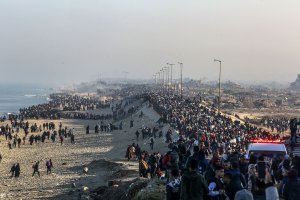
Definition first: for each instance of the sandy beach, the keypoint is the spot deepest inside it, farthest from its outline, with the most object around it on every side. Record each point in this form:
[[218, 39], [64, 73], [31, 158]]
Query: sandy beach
[[103, 153]]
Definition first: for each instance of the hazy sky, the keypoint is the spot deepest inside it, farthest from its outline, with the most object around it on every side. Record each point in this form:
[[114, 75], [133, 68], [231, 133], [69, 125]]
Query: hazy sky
[[69, 41]]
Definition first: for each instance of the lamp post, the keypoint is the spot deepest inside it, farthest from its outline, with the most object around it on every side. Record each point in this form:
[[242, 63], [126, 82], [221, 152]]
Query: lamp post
[[155, 77], [167, 77], [159, 77], [163, 76], [215, 60], [171, 65], [181, 66]]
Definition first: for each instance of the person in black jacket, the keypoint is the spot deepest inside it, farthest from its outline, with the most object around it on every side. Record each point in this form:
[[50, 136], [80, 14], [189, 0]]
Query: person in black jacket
[[193, 185], [293, 127], [17, 170], [231, 185], [216, 186], [12, 170], [35, 168], [291, 189]]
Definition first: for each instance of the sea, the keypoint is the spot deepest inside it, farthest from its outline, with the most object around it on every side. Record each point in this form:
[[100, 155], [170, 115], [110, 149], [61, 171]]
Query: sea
[[16, 96]]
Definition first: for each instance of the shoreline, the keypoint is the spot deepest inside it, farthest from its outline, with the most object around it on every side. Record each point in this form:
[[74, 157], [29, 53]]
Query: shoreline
[[89, 148]]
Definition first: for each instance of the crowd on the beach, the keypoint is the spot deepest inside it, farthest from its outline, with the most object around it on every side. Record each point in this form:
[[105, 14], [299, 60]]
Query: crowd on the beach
[[33, 134], [67, 106], [208, 157], [38, 134]]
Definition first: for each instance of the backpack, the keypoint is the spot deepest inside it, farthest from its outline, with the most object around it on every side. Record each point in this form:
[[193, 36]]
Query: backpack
[[144, 165]]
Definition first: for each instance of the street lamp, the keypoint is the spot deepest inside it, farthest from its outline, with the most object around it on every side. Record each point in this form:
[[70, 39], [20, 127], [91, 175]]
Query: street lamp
[[155, 77], [163, 76], [171, 65], [167, 77], [181, 66], [215, 60]]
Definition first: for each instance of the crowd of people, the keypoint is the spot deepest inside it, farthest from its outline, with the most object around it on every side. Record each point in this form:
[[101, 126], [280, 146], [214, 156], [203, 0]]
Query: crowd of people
[[67, 106], [278, 124], [207, 157], [45, 131], [209, 160], [13, 130]]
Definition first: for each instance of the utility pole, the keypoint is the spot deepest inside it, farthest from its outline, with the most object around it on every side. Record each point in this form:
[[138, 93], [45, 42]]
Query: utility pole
[[181, 66], [171, 65], [167, 77], [163, 76], [215, 60]]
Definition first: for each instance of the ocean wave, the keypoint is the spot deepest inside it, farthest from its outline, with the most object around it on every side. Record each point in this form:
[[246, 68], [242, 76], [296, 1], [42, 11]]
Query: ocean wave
[[30, 95], [37, 95]]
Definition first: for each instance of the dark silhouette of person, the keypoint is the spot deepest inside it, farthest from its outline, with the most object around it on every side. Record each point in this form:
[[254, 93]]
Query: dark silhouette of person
[[36, 168], [12, 170], [17, 170]]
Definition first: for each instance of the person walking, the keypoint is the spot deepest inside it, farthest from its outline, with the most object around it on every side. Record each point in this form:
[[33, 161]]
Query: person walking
[[151, 143], [61, 139], [72, 139], [193, 185], [49, 166], [36, 168], [12, 170], [87, 130], [216, 186], [17, 170], [173, 187], [131, 123]]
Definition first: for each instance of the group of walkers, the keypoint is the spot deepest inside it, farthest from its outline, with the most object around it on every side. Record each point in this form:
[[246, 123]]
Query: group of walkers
[[16, 170], [44, 132]]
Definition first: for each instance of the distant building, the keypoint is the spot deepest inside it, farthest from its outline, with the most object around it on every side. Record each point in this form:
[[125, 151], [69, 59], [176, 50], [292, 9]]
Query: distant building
[[296, 84]]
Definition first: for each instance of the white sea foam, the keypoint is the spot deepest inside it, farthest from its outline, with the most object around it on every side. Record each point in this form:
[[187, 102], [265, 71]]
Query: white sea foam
[[30, 95]]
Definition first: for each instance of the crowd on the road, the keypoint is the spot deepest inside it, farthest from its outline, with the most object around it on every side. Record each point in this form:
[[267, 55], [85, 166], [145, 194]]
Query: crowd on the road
[[208, 159]]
